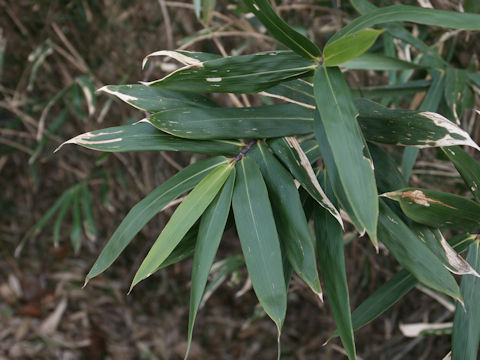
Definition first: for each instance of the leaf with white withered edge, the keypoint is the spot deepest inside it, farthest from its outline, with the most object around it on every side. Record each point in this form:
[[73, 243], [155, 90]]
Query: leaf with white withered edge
[[143, 136], [349, 47], [234, 123], [282, 31], [409, 127], [153, 99], [350, 154], [438, 209], [184, 217], [293, 157], [237, 74]]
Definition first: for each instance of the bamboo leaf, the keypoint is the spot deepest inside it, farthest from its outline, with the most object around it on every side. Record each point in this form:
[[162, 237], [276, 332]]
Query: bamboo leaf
[[187, 213], [438, 209], [210, 233], [349, 46], [467, 166], [395, 289], [237, 74], [380, 62], [290, 220], [282, 31], [350, 154], [143, 136], [332, 264], [409, 128], [89, 227], [395, 13], [455, 85], [60, 216], [151, 205], [183, 250], [153, 99], [76, 231], [234, 123], [296, 161], [413, 254], [259, 240], [466, 332]]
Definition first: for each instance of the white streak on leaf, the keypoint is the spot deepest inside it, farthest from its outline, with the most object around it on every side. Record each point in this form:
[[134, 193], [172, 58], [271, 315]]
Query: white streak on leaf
[[460, 266], [214, 79], [186, 60], [86, 139], [327, 204], [449, 140], [416, 329], [287, 99]]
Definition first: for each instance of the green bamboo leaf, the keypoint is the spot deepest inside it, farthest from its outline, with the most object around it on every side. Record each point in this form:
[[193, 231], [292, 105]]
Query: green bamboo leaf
[[237, 74], [466, 332], [438, 209], [210, 233], [467, 166], [332, 264], [282, 31], [387, 175], [259, 240], [413, 254], [147, 208], [395, 289], [348, 148], [430, 103], [409, 127], [311, 150], [187, 213], [394, 13], [88, 89], [143, 136], [295, 160], [380, 62], [183, 250], [153, 99], [292, 226], [471, 6], [234, 123], [407, 89], [455, 85], [89, 227], [349, 46], [76, 231]]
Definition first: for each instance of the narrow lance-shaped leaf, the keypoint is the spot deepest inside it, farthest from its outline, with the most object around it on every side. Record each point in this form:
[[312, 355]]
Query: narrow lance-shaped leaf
[[60, 216], [352, 162], [380, 62], [152, 99], [332, 264], [349, 47], [282, 31], [151, 205], [430, 103], [76, 231], [237, 74], [395, 13], [438, 209], [466, 332], [143, 136], [234, 123], [455, 81], [210, 233], [413, 254], [291, 154], [89, 227], [259, 240], [292, 226], [187, 213], [467, 166], [409, 128], [395, 289]]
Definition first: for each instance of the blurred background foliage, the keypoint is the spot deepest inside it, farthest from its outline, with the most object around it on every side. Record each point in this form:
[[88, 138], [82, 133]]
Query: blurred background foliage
[[58, 209]]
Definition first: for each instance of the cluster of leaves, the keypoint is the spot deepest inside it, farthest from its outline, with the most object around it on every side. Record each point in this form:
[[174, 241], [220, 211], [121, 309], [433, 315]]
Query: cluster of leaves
[[261, 154]]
